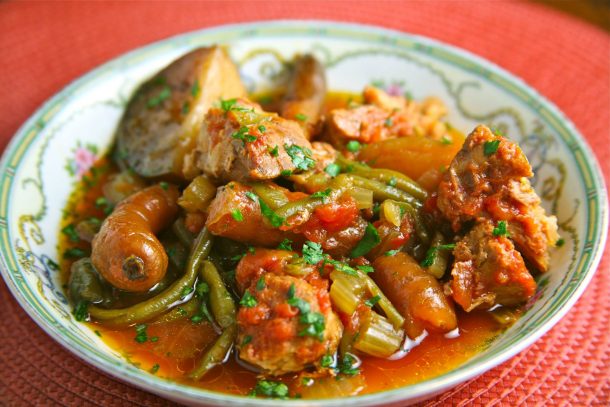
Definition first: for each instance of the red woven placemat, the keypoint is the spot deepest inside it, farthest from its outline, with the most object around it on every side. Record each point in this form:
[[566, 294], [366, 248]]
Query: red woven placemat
[[46, 45]]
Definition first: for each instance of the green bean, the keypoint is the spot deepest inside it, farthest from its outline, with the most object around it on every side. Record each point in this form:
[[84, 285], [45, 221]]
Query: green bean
[[182, 233], [441, 258], [402, 182], [273, 197], [223, 307], [420, 229], [383, 191], [159, 304], [183, 311], [384, 175], [306, 205], [217, 354]]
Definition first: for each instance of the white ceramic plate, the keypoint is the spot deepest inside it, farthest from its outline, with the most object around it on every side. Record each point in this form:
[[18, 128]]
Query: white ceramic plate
[[61, 140]]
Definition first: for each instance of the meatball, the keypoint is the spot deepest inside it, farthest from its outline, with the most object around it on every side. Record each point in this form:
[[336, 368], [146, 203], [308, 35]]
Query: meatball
[[285, 324]]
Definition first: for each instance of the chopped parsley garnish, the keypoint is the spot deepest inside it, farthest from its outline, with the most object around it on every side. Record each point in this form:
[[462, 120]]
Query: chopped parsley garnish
[[312, 252], [285, 173], [243, 135], [81, 311], [347, 366], [369, 240], [326, 361], [307, 381], [431, 253], [227, 105], [560, 242], [372, 301], [285, 244], [141, 335], [490, 147], [186, 107], [262, 128], [70, 232], [322, 194], [248, 300], [365, 268], [154, 339], [237, 215], [301, 157], [388, 122], [164, 185], [391, 252], [202, 289], [353, 146], [247, 340], [260, 284], [74, 253], [273, 218], [155, 368], [102, 203], [392, 182], [195, 89], [165, 93], [98, 333], [300, 117], [274, 151], [342, 267], [332, 169], [446, 140], [186, 291], [313, 321], [181, 311], [270, 389], [500, 229]]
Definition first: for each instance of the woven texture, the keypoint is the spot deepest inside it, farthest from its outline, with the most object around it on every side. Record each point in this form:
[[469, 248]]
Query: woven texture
[[46, 45]]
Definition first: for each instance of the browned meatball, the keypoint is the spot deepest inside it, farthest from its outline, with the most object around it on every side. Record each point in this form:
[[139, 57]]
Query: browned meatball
[[285, 324]]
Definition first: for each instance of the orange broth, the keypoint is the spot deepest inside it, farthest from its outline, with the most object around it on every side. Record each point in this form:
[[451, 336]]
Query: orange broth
[[178, 344]]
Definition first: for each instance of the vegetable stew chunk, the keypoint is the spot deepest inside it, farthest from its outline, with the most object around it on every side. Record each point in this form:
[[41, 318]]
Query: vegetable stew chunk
[[417, 295], [305, 93], [285, 324], [487, 180], [240, 142], [489, 271], [159, 127]]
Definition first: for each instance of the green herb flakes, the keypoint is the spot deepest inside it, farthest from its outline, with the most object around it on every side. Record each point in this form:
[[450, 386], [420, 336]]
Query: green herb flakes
[[195, 89], [366, 269], [285, 244], [369, 240], [372, 301], [237, 215], [391, 252], [322, 194], [154, 369], [301, 117], [74, 253], [247, 339], [155, 101], [560, 242], [274, 151], [70, 232], [301, 157], [164, 185], [141, 335], [490, 147], [266, 388], [326, 361], [431, 253], [500, 229], [312, 252], [81, 312], [248, 300]]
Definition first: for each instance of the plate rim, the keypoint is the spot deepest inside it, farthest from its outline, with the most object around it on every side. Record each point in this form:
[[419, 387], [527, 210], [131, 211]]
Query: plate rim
[[428, 387]]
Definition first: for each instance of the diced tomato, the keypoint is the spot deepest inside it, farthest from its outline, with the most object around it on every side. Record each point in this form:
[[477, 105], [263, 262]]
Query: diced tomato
[[280, 329], [253, 315], [285, 311], [337, 215]]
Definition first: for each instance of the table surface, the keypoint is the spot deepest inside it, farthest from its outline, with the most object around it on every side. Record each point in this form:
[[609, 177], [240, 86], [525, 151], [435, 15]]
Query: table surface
[[46, 45]]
